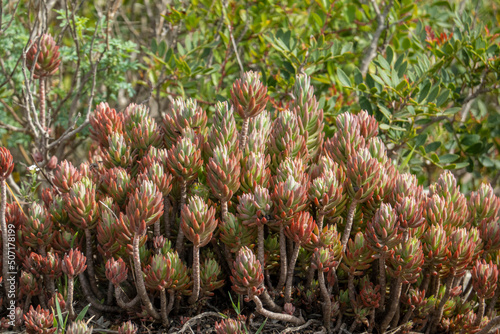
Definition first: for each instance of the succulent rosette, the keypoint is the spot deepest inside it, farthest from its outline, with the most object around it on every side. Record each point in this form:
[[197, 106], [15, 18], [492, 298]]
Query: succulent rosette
[[198, 221], [369, 294], [182, 115], [116, 271], [105, 121], [51, 304], [73, 263], [435, 246], [309, 116], [78, 327], [247, 276], [37, 231], [6, 163], [210, 273], [29, 284], [57, 210], [158, 274], [259, 129], [489, 231], [81, 204], [140, 129], [300, 228], [285, 141], [346, 141], [116, 182], [462, 250], [48, 60], [382, 232], [327, 237], [254, 209], [358, 255], [127, 328], [185, 157], [254, 171], [484, 278], [324, 259], [235, 235], [289, 198], [409, 213], [180, 280], [249, 95], [118, 153], [363, 176], [229, 326], [327, 192], [483, 205], [406, 260], [51, 265], [39, 321], [145, 207], [368, 125], [155, 172], [223, 174], [223, 131], [108, 231]]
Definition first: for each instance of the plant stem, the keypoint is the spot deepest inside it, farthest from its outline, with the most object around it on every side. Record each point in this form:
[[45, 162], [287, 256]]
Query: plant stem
[[491, 305], [439, 311], [141, 288], [164, 314], [109, 298], [260, 245], [122, 303], [283, 259], [291, 268], [393, 304], [327, 302], [69, 300], [382, 282], [491, 325], [5, 241], [196, 275], [42, 102], [348, 225], [277, 316], [179, 245], [91, 299], [223, 210], [90, 264], [166, 218], [244, 135], [351, 287], [480, 312], [320, 219]]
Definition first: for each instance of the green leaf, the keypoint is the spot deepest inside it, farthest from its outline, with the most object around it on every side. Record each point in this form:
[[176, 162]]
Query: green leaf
[[385, 65], [433, 94], [385, 112], [343, 78], [420, 139], [390, 54], [434, 158], [448, 158], [442, 98], [82, 313], [452, 111], [433, 146], [424, 92], [346, 48], [475, 149], [469, 139]]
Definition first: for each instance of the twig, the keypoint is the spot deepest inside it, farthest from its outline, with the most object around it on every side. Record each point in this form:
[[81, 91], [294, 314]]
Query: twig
[[372, 49], [307, 324], [193, 320]]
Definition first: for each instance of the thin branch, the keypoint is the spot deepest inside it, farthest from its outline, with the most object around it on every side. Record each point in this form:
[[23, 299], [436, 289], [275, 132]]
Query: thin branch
[[372, 49], [195, 319]]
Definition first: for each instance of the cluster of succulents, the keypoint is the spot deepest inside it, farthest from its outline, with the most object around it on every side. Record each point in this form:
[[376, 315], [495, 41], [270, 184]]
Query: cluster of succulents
[[260, 208]]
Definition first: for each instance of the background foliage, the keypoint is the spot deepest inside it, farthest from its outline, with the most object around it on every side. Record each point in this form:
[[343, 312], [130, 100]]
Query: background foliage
[[428, 71]]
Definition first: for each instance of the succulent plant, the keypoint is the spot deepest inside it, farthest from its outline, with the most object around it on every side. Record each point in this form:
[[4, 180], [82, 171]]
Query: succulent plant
[[223, 174], [6, 163], [483, 205], [127, 328], [249, 95], [119, 152], [183, 115], [79, 327], [198, 221], [37, 231], [158, 274], [484, 278], [116, 182], [309, 116], [81, 204], [105, 121], [48, 60], [259, 129], [247, 276], [39, 321], [145, 207], [254, 171], [235, 235], [210, 274], [346, 141], [185, 157], [285, 141], [140, 129], [223, 132], [73, 263], [229, 326], [116, 271]]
